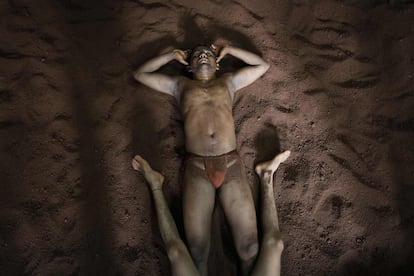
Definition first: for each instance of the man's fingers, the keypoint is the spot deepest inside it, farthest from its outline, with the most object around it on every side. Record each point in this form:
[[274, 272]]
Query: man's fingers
[[223, 52], [180, 52], [180, 56], [182, 60], [219, 57], [215, 49]]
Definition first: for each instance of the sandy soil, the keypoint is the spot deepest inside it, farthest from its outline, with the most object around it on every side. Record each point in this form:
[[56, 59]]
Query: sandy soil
[[339, 95]]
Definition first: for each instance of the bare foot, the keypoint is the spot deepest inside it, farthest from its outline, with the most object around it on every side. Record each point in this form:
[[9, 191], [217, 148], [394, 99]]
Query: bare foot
[[154, 178], [272, 165]]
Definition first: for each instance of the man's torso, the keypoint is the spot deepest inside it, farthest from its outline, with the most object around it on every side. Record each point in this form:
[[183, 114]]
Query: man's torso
[[208, 120]]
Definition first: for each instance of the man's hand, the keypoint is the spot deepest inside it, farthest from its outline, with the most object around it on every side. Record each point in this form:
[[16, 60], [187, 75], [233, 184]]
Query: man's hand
[[181, 56], [224, 51]]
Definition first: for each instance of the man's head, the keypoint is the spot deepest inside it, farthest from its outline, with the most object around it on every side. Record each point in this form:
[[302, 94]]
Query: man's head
[[202, 62]]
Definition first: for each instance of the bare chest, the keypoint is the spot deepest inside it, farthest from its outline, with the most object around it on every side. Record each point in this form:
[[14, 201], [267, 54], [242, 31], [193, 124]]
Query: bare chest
[[197, 96]]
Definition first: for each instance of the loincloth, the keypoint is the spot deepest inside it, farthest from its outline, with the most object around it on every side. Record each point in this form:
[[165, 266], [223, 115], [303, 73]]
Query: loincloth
[[215, 167]]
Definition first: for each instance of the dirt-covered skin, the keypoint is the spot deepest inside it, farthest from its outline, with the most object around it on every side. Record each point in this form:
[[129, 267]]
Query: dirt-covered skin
[[338, 94]]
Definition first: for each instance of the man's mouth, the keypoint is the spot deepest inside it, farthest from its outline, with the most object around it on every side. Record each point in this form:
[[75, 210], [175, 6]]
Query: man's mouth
[[203, 60]]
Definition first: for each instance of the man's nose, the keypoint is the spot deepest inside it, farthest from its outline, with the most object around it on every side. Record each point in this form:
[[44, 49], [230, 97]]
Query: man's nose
[[203, 55]]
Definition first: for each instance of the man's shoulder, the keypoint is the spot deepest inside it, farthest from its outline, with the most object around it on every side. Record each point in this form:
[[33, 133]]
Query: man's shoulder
[[182, 80]]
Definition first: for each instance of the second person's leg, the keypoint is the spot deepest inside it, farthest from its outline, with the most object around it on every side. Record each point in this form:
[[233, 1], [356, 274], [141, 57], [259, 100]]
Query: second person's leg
[[180, 259], [271, 247]]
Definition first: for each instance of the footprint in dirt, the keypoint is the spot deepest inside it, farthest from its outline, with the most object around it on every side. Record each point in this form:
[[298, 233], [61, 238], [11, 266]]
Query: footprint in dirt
[[297, 173], [267, 143], [331, 207]]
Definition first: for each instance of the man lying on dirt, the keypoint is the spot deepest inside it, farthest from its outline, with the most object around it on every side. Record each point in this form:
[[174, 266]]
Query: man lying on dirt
[[212, 162], [271, 246]]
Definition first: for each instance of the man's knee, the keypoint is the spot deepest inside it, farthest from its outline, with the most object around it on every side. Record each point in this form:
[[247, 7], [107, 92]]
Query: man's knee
[[248, 248], [199, 248], [273, 243], [175, 251]]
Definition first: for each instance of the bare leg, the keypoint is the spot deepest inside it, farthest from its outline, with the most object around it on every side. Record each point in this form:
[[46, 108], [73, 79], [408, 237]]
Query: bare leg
[[268, 262], [181, 262], [198, 206], [238, 206]]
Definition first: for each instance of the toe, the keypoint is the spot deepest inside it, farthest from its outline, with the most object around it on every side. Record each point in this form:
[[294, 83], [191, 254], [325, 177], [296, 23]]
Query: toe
[[135, 163]]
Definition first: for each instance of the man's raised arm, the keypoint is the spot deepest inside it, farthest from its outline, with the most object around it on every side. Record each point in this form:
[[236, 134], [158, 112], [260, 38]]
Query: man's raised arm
[[160, 82], [246, 75]]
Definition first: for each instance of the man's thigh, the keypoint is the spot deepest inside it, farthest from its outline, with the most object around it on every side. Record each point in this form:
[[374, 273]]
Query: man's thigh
[[198, 202], [237, 202]]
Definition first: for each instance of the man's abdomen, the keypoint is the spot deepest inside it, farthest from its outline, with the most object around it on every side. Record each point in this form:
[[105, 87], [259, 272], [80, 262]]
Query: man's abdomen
[[210, 133]]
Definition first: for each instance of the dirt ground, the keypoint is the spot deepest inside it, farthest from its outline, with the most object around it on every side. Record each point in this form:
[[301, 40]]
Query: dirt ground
[[339, 95]]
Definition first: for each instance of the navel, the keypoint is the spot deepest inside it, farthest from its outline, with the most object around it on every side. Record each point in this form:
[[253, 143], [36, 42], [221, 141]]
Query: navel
[[212, 135]]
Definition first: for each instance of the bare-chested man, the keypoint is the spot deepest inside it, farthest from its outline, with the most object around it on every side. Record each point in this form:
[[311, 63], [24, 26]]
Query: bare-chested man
[[212, 163], [268, 263]]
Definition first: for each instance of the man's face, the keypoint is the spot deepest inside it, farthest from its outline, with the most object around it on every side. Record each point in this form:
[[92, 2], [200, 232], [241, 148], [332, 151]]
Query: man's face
[[203, 58]]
